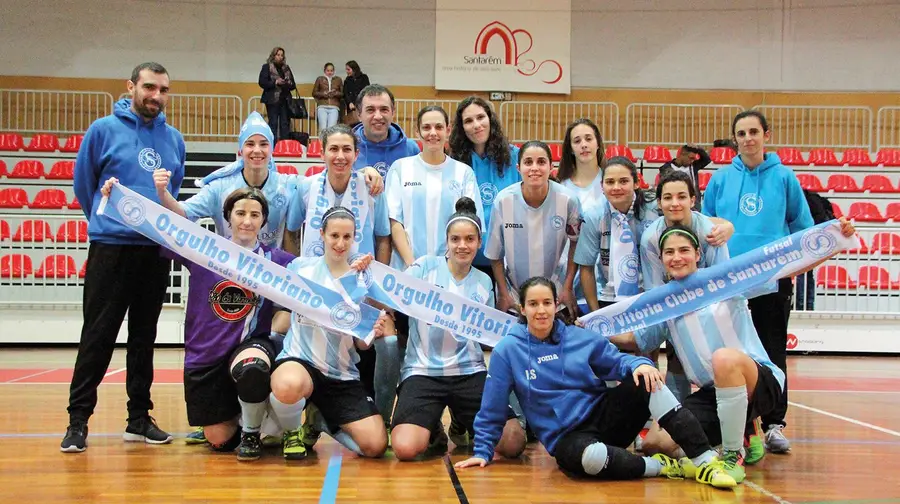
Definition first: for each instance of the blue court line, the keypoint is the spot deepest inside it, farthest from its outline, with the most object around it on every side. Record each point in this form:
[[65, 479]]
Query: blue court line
[[332, 479]]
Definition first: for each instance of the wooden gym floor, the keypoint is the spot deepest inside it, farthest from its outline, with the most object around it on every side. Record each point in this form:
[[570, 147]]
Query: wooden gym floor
[[844, 423]]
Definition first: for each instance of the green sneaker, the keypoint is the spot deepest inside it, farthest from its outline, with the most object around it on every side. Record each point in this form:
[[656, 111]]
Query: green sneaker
[[292, 445], [670, 467], [197, 437], [712, 473], [733, 461], [311, 433], [754, 447]]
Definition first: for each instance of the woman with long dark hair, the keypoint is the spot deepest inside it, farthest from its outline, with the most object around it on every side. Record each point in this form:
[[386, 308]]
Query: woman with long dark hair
[[355, 82], [277, 82]]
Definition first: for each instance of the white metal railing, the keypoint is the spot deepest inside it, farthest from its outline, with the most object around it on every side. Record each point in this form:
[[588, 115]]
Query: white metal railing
[[51, 110], [547, 121], [852, 282], [808, 127], [406, 111], [202, 117], [308, 125], [673, 125], [888, 128]]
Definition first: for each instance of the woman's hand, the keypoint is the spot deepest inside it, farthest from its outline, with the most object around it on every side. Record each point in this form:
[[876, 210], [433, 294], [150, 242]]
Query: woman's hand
[[847, 228], [567, 297], [653, 379], [720, 234], [471, 462], [361, 263], [161, 178], [505, 302], [374, 181], [107, 186], [384, 326]]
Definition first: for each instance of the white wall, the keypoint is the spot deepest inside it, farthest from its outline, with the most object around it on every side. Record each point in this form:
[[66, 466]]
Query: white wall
[[690, 44]]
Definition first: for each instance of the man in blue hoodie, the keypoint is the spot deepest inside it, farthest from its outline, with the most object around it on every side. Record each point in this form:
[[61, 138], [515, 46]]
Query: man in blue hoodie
[[125, 271], [764, 201], [381, 141]]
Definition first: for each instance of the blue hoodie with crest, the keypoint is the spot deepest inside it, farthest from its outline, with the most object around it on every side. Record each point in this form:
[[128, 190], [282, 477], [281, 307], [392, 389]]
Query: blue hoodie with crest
[[381, 155], [764, 204], [558, 382], [122, 145]]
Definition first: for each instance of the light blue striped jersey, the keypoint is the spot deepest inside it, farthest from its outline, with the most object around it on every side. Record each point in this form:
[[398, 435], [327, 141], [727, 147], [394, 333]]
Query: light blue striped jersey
[[593, 244], [433, 351], [587, 197], [531, 240], [332, 353], [278, 189], [308, 203], [652, 269], [698, 334], [422, 197]]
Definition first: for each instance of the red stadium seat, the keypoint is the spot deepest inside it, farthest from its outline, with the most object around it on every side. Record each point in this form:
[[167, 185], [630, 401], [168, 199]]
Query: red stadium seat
[[11, 142], [33, 231], [554, 173], [791, 156], [657, 154], [641, 183], [73, 143], [74, 205], [2, 168], [13, 197], [286, 169], [856, 157], [859, 248], [57, 266], [53, 199], [834, 277], [83, 271], [288, 148], [841, 182], [314, 169], [27, 169], [810, 182], [878, 184], [888, 157], [315, 148], [876, 277], [422, 146], [886, 243], [864, 211], [4, 230], [555, 151], [838, 212], [823, 157], [893, 212], [62, 170], [620, 150], [722, 155], [15, 266], [43, 142], [72, 231], [705, 176]]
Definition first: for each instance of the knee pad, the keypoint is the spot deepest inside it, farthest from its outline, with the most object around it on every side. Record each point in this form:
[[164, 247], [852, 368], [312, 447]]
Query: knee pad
[[251, 377]]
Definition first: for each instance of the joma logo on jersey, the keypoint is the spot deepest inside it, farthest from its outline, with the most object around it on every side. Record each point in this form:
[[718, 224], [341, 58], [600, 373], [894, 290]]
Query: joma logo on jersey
[[411, 184], [547, 358], [513, 225]]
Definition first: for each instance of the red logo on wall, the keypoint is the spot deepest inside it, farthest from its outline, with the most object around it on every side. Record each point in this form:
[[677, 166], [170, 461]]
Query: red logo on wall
[[792, 342], [232, 302], [511, 54]]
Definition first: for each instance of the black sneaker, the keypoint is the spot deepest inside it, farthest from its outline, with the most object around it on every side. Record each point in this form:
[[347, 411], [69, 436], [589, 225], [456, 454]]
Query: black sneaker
[[145, 429], [530, 437], [75, 440], [250, 447]]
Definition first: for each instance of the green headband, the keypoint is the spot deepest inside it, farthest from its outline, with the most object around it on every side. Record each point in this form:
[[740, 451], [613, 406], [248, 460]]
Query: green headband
[[681, 232]]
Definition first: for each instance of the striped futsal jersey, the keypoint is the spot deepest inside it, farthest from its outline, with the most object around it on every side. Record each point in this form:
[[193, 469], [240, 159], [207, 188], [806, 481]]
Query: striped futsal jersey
[[654, 274], [698, 334], [312, 202], [433, 351], [422, 197], [278, 189], [531, 240], [332, 353], [587, 197]]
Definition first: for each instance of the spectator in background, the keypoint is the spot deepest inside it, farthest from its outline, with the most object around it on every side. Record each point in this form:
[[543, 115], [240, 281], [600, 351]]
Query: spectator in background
[[354, 83], [277, 82], [690, 159], [328, 92]]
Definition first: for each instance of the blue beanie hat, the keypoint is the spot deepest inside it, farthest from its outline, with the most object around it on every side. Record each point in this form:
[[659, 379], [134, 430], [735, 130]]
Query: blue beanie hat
[[255, 125]]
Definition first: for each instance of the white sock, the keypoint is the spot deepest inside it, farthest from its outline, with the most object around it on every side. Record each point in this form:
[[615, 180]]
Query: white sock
[[252, 415], [287, 415], [731, 406], [652, 468]]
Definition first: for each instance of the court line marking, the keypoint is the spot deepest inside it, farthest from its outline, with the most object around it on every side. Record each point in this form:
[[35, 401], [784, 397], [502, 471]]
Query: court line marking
[[846, 419], [454, 479], [117, 371], [765, 492], [332, 480], [39, 373]]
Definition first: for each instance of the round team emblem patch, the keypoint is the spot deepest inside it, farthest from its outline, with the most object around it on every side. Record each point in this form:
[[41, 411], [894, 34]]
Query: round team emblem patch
[[343, 316], [231, 302], [315, 249], [149, 159], [478, 298], [278, 201], [382, 168], [488, 193], [557, 222], [454, 187], [131, 210], [628, 268], [600, 324], [751, 204], [818, 243]]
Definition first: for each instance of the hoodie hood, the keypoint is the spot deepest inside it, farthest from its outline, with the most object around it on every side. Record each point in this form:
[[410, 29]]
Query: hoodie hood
[[381, 155]]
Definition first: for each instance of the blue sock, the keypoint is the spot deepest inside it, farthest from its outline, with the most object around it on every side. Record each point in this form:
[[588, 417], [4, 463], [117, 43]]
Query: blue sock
[[387, 375], [252, 415], [731, 405], [288, 416], [679, 385]]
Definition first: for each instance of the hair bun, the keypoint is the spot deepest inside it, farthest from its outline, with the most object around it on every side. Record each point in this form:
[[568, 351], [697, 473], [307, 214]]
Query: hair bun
[[465, 204]]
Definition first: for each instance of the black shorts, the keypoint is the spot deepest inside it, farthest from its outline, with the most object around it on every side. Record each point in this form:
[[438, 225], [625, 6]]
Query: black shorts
[[340, 401], [616, 420], [209, 392], [421, 400], [702, 403]]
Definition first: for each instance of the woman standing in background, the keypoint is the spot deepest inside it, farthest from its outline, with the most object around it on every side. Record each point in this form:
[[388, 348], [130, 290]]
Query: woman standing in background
[[354, 83], [277, 82], [328, 92]]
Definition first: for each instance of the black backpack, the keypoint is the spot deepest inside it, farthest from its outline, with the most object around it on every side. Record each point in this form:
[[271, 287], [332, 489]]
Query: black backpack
[[819, 207]]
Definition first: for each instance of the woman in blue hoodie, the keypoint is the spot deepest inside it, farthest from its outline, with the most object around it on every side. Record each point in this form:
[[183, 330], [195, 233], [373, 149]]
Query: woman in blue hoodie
[[764, 201], [559, 374]]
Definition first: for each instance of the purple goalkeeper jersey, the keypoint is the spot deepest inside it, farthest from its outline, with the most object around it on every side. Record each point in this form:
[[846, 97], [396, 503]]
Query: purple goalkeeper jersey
[[221, 314]]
